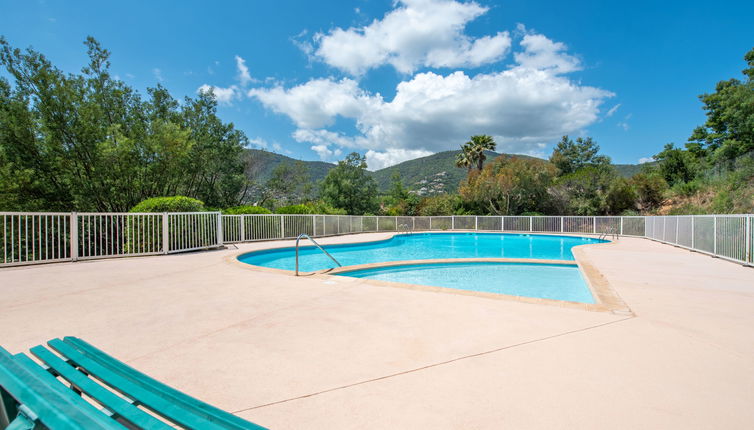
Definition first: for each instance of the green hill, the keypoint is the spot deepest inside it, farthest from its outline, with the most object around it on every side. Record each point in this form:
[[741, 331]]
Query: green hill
[[264, 162], [433, 174]]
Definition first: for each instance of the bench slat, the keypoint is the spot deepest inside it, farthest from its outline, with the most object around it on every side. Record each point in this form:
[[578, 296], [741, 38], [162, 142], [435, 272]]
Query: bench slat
[[165, 401], [55, 408], [107, 398]]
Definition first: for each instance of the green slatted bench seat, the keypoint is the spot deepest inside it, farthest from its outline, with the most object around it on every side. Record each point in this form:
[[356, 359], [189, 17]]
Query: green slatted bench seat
[[33, 396]]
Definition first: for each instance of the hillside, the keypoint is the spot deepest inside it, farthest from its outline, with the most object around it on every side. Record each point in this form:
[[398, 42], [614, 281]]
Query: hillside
[[433, 174], [264, 162]]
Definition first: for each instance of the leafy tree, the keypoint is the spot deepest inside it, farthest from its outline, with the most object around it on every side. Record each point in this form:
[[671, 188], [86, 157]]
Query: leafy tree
[[620, 197], [397, 191], [569, 156], [88, 141], [676, 165], [509, 186], [472, 152], [290, 182], [729, 130], [584, 191], [442, 204], [348, 186], [650, 189]]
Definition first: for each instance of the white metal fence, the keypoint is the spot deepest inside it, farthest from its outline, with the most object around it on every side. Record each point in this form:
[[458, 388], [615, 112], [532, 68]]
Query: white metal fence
[[30, 238]]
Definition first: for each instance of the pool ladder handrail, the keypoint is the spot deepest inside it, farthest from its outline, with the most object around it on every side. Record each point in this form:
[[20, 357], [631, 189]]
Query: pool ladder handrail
[[609, 231], [405, 228], [317, 245]]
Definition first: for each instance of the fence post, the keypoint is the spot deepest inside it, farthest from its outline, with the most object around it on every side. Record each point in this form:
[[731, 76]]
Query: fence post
[[476, 223], [693, 221], [430, 223], [677, 219], [714, 235], [338, 224], [220, 239], [282, 227], [621, 226], [594, 224], [243, 228], [531, 223], [452, 222], [165, 234], [413, 223], [74, 221], [502, 223], [747, 241], [562, 224]]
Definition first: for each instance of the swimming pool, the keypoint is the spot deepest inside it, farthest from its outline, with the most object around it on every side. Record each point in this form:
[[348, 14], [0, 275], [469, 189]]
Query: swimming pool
[[423, 246], [546, 281], [525, 279]]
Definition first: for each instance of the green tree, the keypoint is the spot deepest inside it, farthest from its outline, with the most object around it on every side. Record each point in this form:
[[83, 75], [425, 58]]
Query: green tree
[[584, 191], [509, 186], [729, 130], [397, 191], [569, 156], [90, 142], [650, 189], [472, 152], [676, 165], [289, 182], [348, 186]]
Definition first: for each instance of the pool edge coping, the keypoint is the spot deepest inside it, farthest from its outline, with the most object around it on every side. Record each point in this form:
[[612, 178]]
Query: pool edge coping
[[607, 299]]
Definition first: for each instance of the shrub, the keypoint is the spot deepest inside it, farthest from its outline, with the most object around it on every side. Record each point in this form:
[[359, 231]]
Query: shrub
[[170, 204], [293, 209], [246, 210]]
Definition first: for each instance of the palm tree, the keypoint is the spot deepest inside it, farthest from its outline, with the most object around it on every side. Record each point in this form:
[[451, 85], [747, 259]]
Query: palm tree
[[465, 158], [473, 150], [479, 144]]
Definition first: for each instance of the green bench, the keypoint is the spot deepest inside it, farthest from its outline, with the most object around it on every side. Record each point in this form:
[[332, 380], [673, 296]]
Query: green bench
[[117, 395]]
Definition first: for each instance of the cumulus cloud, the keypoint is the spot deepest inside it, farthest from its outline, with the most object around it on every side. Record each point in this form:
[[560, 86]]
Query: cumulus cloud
[[524, 107], [417, 33], [224, 96], [643, 160]]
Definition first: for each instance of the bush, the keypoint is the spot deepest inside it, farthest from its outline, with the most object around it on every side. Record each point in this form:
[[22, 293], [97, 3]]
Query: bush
[[170, 204], [294, 210], [246, 210]]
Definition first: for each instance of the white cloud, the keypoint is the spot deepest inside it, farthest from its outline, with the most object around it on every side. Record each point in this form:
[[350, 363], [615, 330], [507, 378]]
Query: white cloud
[[224, 96], [612, 110], [541, 53], [243, 71], [643, 160], [316, 103], [378, 160], [523, 107], [259, 142], [417, 33]]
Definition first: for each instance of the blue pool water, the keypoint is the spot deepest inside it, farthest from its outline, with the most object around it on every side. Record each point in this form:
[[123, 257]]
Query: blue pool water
[[423, 246], [547, 281]]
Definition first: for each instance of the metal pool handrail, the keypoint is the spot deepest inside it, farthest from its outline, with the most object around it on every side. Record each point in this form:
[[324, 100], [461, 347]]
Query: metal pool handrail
[[315, 244]]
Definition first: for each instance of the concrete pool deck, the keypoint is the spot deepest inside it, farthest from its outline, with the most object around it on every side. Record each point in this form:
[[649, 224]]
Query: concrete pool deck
[[335, 352]]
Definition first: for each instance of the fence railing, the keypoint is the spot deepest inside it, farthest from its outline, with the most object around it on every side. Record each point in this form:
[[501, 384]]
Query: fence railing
[[31, 238]]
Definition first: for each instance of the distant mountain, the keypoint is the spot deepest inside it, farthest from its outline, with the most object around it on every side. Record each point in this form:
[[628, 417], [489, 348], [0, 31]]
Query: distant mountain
[[264, 162], [434, 174], [628, 170]]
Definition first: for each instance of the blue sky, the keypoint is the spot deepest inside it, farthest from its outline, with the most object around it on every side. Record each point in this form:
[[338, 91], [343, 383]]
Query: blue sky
[[396, 80]]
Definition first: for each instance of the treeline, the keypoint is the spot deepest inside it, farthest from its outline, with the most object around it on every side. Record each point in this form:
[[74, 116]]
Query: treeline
[[89, 142]]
